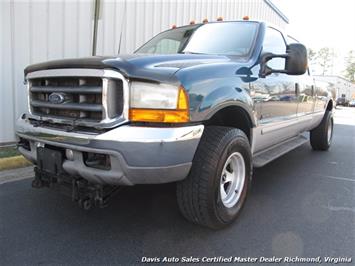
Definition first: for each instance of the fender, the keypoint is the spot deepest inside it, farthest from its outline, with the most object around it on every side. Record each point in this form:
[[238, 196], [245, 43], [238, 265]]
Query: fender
[[331, 101], [245, 107], [213, 87]]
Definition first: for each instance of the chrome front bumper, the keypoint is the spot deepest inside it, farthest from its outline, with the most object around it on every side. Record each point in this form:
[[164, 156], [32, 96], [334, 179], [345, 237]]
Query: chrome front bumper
[[138, 155]]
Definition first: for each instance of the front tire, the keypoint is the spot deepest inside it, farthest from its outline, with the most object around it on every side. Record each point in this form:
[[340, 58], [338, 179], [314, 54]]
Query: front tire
[[321, 136], [215, 191]]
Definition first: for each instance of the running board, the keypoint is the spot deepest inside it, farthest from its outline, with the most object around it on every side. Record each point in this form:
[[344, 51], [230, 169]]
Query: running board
[[262, 158]]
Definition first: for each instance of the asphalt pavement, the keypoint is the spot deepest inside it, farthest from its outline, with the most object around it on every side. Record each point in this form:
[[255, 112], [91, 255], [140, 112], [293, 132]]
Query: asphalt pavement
[[302, 204]]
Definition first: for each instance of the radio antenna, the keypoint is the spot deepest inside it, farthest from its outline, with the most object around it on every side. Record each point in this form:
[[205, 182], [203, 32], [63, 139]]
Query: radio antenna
[[123, 23], [96, 20]]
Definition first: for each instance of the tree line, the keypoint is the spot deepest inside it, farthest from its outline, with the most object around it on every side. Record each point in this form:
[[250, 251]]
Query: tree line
[[324, 58]]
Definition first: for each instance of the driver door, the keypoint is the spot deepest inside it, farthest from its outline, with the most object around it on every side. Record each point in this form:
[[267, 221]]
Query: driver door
[[276, 96]]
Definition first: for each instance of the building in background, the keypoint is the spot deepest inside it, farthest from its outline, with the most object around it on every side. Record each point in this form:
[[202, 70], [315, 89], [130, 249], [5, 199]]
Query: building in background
[[37, 31], [340, 86]]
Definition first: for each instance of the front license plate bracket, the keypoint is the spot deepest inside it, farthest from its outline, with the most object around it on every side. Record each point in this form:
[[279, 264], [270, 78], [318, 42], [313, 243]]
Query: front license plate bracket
[[50, 160]]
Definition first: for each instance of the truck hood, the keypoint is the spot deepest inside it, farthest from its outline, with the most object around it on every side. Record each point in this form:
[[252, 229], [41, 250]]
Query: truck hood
[[140, 66]]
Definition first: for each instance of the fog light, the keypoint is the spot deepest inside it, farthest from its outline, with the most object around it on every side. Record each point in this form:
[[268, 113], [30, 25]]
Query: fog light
[[69, 154], [97, 160]]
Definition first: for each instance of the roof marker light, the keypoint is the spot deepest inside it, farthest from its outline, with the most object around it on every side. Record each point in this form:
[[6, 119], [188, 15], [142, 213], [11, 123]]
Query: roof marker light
[[246, 18]]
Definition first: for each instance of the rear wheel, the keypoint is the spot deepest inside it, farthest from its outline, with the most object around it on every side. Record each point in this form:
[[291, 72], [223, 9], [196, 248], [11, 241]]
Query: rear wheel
[[321, 136], [215, 191]]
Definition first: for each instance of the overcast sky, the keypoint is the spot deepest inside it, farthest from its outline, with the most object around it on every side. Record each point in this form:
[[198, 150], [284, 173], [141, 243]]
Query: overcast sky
[[320, 23]]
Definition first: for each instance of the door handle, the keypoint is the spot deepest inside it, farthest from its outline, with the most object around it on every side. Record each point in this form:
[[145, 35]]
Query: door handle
[[297, 89]]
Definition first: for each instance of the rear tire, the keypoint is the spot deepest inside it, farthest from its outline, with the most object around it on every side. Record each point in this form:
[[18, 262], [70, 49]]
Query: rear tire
[[216, 189], [321, 136]]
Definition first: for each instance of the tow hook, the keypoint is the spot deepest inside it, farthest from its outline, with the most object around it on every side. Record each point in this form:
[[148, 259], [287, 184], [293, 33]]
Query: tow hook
[[89, 195]]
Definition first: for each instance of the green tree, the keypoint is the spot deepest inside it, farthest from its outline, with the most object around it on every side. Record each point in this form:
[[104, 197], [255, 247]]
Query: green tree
[[350, 66], [325, 59]]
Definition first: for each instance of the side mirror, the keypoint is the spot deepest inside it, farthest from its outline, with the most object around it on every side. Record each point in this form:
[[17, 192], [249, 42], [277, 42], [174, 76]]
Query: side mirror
[[296, 61]]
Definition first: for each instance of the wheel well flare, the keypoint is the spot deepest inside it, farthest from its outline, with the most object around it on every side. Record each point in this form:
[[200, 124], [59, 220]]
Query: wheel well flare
[[232, 116]]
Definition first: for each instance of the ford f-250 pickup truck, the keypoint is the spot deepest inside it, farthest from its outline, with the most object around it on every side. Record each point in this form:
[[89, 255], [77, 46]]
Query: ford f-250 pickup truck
[[200, 105]]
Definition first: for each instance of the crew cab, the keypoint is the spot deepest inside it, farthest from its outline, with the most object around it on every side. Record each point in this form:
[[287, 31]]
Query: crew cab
[[200, 105]]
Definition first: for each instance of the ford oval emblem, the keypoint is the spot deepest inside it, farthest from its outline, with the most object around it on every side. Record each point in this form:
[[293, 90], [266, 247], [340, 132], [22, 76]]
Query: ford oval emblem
[[56, 98]]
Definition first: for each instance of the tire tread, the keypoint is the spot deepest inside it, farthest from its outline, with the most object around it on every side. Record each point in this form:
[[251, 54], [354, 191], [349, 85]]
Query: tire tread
[[318, 135], [192, 193]]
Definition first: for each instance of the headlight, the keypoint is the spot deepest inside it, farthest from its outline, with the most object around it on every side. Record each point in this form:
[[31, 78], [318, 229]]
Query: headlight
[[158, 103], [153, 96]]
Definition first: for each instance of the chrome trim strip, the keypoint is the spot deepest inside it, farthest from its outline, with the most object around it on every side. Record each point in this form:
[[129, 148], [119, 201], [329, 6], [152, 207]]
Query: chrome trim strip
[[104, 99], [321, 112], [126, 133], [264, 134], [278, 126], [72, 106], [28, 87], [152, 134], [50, 89], [271, 128]]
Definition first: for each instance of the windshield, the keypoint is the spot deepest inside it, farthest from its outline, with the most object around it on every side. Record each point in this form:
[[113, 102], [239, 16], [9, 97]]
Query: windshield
[[223, 38]]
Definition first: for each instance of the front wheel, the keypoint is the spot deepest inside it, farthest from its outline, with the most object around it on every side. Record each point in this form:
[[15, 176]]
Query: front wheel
[[321, 136], [215, 191]]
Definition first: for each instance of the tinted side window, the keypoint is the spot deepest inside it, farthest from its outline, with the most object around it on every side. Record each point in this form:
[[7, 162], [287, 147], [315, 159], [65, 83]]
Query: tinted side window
[[274, 43]]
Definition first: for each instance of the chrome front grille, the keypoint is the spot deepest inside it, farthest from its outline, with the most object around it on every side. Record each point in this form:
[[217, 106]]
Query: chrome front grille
[[88, 98]]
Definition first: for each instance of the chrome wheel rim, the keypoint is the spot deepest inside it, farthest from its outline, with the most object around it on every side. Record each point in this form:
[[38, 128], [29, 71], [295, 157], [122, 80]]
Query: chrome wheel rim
[[232, 179], [330, 131]]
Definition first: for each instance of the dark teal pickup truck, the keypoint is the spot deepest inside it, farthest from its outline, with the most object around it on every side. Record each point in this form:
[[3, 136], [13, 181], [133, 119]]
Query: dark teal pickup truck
[[199, 105]]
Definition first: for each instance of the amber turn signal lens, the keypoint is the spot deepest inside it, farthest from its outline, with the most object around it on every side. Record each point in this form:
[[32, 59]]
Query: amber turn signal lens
[[179, 115], [158, 115]]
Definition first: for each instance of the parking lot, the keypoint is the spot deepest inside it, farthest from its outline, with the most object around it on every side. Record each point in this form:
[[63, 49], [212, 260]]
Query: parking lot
[[302, 204]]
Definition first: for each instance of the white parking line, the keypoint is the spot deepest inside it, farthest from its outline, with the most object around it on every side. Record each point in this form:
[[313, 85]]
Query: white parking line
[[335, 177], [339, 208]]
